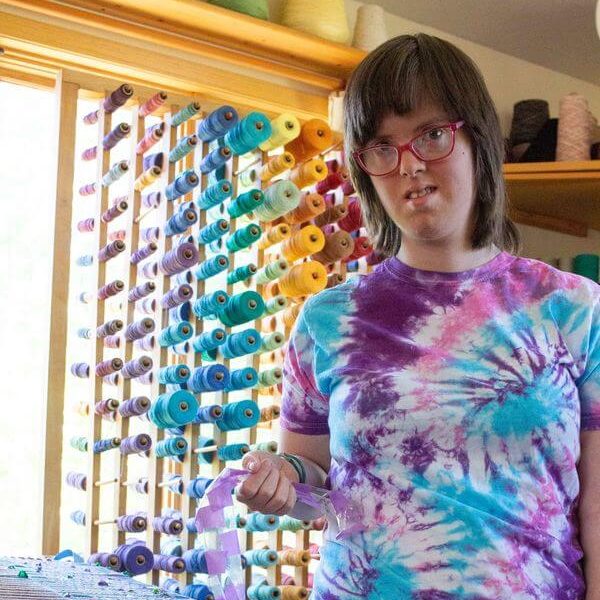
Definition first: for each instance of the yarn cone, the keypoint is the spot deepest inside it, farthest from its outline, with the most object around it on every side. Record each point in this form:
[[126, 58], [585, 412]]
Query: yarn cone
[[323, 19], [369, 29], [254, 8]]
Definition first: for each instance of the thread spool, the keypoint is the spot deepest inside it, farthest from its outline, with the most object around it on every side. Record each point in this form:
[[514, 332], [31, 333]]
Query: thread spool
[[270, 413], [170, 564], [274, 235], [309, 173], [285, 128], [179, 259], [173, 409], [586, 265], [240, 379], [141, 291], [332, 214], [186, 113], [276, 166], [241, 308], [153, 199], [315, 137], [259, 9], [174, 334], [111, 250], [137, 367], [280, 197], [261, 522], [210, 378], [139, 329], [86, 226], [575, 122], [275, 305], [306, 241], [152, 104], [324, 19], [147, 178], [271, 271], [529, 116], [248, 133], [310, 207], [362, 247], [136, 444], [118, 208], [135, 557], [183, 184], [139, 255], [238, 415], [369, 28], [294, 558], [338, 246], [134, 407], [217, 123]]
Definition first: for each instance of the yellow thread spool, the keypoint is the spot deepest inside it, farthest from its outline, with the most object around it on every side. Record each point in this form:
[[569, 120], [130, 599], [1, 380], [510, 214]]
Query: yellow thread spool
[[294, 558], [286, 128], [146, 178], [324, 19], [309, 173], [315, 136], [293, 592], [307, 241], [310, 207], [274, 235], [306, 278], [291, 314], [277, 165]]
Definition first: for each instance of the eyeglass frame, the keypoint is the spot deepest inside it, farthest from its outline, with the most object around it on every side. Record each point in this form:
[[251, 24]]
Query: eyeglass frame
[[400, 148]]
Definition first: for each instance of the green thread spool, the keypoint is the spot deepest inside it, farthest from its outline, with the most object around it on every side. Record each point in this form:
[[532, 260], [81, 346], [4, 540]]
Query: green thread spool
[[271, 342], [183, 148], [259, 9], [185, 113], [245, 203], [241, 274], [587, 265], [242, 308], [244, 238], [270, 377], [276, 304], [272, 271], [281, 197]]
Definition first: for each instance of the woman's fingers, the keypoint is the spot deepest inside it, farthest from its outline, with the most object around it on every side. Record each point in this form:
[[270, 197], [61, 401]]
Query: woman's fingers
[[279, 498], [248, 489]]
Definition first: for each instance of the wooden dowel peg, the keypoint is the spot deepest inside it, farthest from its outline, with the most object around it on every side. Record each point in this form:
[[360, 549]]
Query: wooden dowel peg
[[204, 450], [106, 482], [107, 522]]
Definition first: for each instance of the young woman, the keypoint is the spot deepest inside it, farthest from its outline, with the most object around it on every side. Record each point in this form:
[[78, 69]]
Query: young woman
[[452, 393]]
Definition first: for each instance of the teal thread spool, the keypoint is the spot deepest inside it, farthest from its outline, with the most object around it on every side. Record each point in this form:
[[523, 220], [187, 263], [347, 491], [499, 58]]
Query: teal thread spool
[[174, 334], [259, 9], [245, 203], [254, 129], [241, 343], [183, 148], [210, 304], [241, 274], [261, 558], [287, 523], [215, 194], [211, 267], [587, 265], [238, 415], [173, 409], [272, 341], [281, 197], [273, 270], [276, 304], [241, 379], [270, 377], [263, 591], [209, 340], [185, 113], [265, 447], [260, 522], [79, 443], [244, 238], [205, 457], [174, 374], [173, 446], [242, 308], [232, 451], [213, 231]]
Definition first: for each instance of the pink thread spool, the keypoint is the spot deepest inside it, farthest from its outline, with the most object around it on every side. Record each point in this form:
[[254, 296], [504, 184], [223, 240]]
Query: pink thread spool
[[141, 291], [139, 329], [86, 226], [111, 250], [107, 367], [111, 289], [87, 190], [152, 104], [106, 408], [112, 341], [119, 234], [114, 211], [153, 134]]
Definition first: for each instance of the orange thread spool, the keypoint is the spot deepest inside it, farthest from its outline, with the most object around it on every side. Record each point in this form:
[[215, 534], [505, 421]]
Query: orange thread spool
[[315, 136], [309, 173], [310, 207]]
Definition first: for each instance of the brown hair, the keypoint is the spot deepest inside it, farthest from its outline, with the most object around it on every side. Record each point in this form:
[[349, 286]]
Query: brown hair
[[394, 78]]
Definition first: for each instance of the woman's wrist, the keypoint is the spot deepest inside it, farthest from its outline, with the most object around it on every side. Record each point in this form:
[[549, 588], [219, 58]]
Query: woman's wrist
[[297, 465], [313, 474]]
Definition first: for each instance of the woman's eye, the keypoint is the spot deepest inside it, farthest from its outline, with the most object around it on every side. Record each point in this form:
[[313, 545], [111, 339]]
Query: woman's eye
[[434, 134]]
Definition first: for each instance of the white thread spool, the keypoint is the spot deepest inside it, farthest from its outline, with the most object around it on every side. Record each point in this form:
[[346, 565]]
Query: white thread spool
[[574, 128], [324, 19], [369, 29], [336, 111]]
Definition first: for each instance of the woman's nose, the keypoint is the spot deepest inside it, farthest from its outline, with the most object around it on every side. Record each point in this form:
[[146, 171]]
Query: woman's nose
[[410, 164]]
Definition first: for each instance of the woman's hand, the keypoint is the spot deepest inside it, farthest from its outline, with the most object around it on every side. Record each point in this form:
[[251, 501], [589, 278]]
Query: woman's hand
[[268, 489]]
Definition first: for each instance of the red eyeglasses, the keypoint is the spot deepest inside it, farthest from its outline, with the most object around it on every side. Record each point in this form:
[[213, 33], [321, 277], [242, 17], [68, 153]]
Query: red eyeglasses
[[434, 144]]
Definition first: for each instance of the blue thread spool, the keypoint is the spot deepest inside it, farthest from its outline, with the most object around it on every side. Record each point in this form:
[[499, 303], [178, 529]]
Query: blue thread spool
[[232, 451], [184, 146], [172, 547], [254, 129], [209, 340], [209, 379], [174, 334], [241, 343], [173, 374], [187, 112], [173, 409], [106, 444], [245, 203], [263, 591], [190, 525], [181, 349], [281, 197], [180, 222], [215, 159], [215, 194], [261, 557], [78, 517], [213, 232], [185, 276], [173, 446], [242, 308], [217, 123], [183, 184], [196, 488], [181, 313], [85, 261], [242, 378], [205, 457], [197, 591], [244, 237], [211, 267], [208, 414], [238, 415], [171, 585], [260, 522], [195, 561], [241, 274]]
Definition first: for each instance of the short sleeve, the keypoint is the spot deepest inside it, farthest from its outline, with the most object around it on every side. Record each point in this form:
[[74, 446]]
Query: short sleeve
[[304, 409], [589, 382]]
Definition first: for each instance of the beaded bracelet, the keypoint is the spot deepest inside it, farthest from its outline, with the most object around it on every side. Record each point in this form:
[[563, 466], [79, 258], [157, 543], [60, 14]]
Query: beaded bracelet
[[297, 464]]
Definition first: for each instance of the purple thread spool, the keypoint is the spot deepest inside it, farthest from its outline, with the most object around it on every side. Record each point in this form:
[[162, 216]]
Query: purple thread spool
[[134, 407], [137, 367], [146, 343], [153, 160], [135, 444], [112, 341], [139, 255], [87, 190], [167, 525], [151, 200], [177, 296], [76, 480], [150, 270], [121, 131], [170, 564], [109, 366], [141, 291], [147, 306], [132, 523], [91, 118], [105, 559], [141, 487], [111, 289], [90, 153], [109, 328], [80, 369], [117, 235], [112, 379], [135, 557], [117, 98], [111, 250], [179, 259], [150, 234], [139, 329], [146, 378], [86, 226], [153, 134], [152, 104], [114, 211], [107, 408]]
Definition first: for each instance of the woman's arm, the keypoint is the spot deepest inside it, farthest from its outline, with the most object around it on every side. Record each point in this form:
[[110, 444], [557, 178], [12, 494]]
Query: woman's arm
[[313, 450], [589, 511]]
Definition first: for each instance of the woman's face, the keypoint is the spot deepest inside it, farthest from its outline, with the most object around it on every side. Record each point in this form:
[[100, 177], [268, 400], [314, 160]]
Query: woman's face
[[444, 215]]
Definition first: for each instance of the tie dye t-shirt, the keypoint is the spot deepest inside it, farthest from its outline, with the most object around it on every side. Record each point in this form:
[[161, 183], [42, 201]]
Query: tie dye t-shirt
[[454, 404]]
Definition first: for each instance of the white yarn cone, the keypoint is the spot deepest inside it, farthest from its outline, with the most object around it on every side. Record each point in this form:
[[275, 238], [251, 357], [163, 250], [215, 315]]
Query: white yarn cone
[[336, 111], [369, 29], [574, 136]]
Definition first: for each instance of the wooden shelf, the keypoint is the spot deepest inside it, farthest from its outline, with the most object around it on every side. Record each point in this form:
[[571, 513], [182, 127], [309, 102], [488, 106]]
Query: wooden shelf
[[564, 195]]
